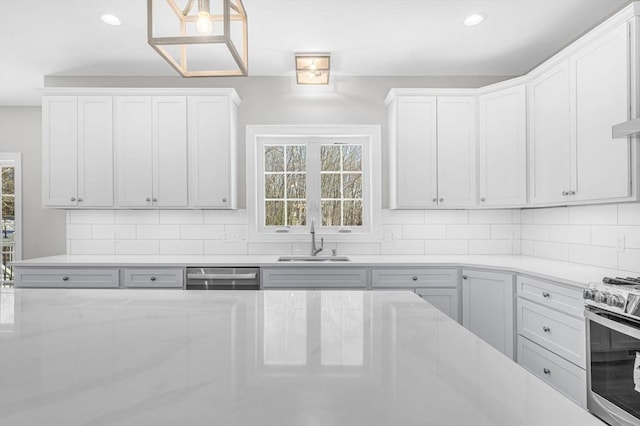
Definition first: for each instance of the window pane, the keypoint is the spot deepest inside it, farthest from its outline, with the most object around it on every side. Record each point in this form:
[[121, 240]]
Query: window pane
[[296, 185], [8, 207], [296, 213], [7, 180], [296, 158], [274, 158], [352, 185], [330, 158], [274, 213], [274, 186], [330, 185], [331, 213], [353, 213], [352, 158]]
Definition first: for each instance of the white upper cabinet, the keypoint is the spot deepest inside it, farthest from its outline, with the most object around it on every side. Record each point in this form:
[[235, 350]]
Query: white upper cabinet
[[601, 81], [212, 151], [550, 142], [432, 151], [77, 144], [502, 146]]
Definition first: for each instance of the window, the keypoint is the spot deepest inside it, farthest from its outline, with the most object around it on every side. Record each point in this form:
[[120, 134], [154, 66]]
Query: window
[[9, 215], [300, 174]]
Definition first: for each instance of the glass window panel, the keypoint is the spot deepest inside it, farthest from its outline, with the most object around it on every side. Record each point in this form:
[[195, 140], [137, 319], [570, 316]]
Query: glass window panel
[[296, 158], [274, 213], [352, 185], [330, 185], [352, 158], [274, 185], [353, 213], [296, 185], [273, 158], [296, 213], [330, 158], [8, 180], [8, 207], [331, 213]]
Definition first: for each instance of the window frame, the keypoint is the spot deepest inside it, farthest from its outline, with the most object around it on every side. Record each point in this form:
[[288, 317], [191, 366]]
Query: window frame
[[314, 135]]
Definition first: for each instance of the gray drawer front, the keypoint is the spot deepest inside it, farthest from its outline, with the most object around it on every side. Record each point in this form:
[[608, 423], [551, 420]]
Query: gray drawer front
[[316, 278], [66, 278], [414, 278], [153, 278]]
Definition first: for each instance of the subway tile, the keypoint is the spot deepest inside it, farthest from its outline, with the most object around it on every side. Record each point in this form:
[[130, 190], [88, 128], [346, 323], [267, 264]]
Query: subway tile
[[201, 232], [629, 260], [137, 217], [91, 216], [446, 216], [505, 232], [401, 217], [402, 247], [181, 217], [92, 247], [215, 247], [548, 250], [516, 216], [526, 247], [490, 216], [490, 247], [269, 248], [223, 217], [181, 247], [604, 235], [551, 216], [158, 232], [137, 247], [446, 247], [392, 232], [77, 231], [424, 232], [603, 214], [515, 247], [572, 234], [605, 257], [113, 232], [358, 248], [468, 232], [526, 216], [631, 236], [534, 232], [629, 214], [235, 232], [305, 248]]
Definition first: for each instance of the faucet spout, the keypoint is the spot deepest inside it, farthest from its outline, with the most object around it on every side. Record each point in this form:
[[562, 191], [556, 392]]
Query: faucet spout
[[315, 250]]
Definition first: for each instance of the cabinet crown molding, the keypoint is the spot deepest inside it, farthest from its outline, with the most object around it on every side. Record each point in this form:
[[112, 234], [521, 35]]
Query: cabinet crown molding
[[140, 91]]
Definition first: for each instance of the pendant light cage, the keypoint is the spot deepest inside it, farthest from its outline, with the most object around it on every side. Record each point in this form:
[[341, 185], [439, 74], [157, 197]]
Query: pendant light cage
[[200, 38]]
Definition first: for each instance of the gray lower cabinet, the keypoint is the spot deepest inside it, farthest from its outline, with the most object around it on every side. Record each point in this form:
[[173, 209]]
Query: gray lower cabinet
[[314, 278], [66, 278], [153, 278]]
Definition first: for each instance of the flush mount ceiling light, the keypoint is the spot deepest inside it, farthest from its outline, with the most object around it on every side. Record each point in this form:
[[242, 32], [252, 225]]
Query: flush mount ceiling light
[[200, 38], [312, 68], [110, 19], [475, 19]]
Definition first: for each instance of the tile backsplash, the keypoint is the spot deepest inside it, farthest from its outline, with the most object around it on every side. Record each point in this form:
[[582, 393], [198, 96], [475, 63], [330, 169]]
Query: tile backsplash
[[603, 235]]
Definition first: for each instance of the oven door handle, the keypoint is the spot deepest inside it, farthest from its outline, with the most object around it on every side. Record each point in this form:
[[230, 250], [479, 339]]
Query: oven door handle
[[623, 421], [251, 276], [614, 325]]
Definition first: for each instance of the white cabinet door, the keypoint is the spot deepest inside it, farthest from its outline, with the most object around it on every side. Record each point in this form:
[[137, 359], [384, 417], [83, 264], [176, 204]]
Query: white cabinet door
[[503, 148], [134, 151], [550, 141], [95, 151], [487, 308], [59, 151], [212, 123], [413, 168], [445, 299], [169, 151], [456, 163], [600, 73]]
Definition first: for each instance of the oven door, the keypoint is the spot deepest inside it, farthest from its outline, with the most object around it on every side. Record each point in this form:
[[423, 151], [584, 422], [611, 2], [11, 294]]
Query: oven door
[[613, 367]]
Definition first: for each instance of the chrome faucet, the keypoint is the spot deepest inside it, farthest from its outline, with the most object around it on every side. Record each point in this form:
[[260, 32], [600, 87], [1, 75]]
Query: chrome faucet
[[314, 250]]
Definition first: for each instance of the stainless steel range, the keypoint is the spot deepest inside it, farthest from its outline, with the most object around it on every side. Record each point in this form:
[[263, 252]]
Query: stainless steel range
[[613, 349]]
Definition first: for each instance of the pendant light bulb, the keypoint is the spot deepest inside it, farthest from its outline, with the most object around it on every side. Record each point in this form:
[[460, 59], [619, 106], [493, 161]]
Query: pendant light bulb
[[204, 24]]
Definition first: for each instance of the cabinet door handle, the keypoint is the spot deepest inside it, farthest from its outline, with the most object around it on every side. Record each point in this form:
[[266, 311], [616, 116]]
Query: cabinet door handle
[[565, 193], [65, 278], [73, 198], [153, 278], [482, 199], [546, 371], [155, 199], [148, 199], [224, 200], [441, 199], [80, 199], [414, 278], [464, 277], [545, 295], [435, 200], [572, 192], [546, 329]]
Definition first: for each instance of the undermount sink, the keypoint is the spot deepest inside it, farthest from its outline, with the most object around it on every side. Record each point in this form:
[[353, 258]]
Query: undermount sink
[[313, 259]]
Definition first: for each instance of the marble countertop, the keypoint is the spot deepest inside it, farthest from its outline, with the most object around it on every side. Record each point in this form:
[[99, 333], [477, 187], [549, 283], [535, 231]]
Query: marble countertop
[[568, 273], [168, 357]]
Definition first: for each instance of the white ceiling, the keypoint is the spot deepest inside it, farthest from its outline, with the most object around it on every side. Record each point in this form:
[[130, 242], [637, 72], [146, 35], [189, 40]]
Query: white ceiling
[[365, 37]]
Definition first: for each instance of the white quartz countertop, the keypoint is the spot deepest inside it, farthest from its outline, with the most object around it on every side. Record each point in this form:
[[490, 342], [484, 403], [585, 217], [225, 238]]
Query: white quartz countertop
[[169, 357], [568, 273]]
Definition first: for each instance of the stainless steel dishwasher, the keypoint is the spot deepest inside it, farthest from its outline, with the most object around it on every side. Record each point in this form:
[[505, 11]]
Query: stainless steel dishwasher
[[223, 278]]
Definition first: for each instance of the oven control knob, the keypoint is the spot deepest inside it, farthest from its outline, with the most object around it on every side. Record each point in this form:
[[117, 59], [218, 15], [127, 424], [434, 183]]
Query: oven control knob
[[602, 297], [589, 293], [616, 301]]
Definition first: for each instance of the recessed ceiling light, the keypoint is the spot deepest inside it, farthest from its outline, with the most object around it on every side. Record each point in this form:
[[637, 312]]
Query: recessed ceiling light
[[475, 19], [110, 19]]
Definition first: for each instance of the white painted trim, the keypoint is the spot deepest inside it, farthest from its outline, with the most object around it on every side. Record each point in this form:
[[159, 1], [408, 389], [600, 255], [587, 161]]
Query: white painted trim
[[141, 91], [14, 159]]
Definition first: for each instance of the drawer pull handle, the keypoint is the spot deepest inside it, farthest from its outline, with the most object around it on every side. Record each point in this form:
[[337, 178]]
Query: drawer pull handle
[[546, 329], [414, 278], [464, 277], [153, 278], [546, 371], [65, 278], [545, 295]]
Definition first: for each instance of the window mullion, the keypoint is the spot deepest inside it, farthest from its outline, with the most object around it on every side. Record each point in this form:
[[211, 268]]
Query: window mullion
[[313, 183]]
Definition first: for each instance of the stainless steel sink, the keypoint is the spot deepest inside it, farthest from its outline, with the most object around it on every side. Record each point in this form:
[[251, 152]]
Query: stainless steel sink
[[313, 259]]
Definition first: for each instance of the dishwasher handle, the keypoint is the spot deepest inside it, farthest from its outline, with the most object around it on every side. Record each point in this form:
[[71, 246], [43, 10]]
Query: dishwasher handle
[[251, 276]]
